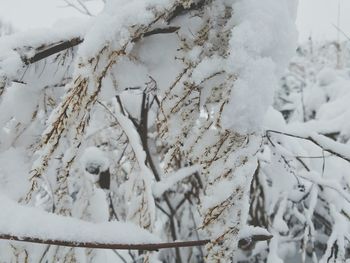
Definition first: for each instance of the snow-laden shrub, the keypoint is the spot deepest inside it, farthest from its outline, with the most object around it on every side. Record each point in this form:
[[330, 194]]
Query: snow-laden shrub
[[164, 98]]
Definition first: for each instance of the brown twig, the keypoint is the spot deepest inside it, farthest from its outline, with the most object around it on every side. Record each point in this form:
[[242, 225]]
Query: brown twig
[[163, 30], [145, 246], [52, 50], [142, 246]]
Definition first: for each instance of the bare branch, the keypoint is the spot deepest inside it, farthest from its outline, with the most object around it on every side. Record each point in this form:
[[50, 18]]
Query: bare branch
[[146, 246]]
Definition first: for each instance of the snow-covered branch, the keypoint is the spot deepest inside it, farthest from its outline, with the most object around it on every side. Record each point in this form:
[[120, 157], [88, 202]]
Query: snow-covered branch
[[338, 149]]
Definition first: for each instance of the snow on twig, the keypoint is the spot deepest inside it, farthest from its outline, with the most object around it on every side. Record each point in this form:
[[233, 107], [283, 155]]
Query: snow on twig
[[160, 187], [336, 148]]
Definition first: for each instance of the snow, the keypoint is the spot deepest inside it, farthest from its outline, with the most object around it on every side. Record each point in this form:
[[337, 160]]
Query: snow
[[263, 40], [249, 231], [206, 68], [326, 76], [13, 173], [24, 221], [98, 206], [27, 97], [21, 45], [171, 179], [38, 37], [328, 183], [145, 175], [119, 16], [94, 160], [324, 142], [278, 223], [307, 164]]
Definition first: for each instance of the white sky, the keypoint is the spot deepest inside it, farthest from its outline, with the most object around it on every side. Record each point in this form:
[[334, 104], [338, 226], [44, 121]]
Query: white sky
[[315, 17]]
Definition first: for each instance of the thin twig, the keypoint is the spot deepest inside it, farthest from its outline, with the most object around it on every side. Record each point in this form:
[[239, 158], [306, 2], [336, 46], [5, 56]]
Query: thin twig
[[341, 31], [120, 256], [309, 138]]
